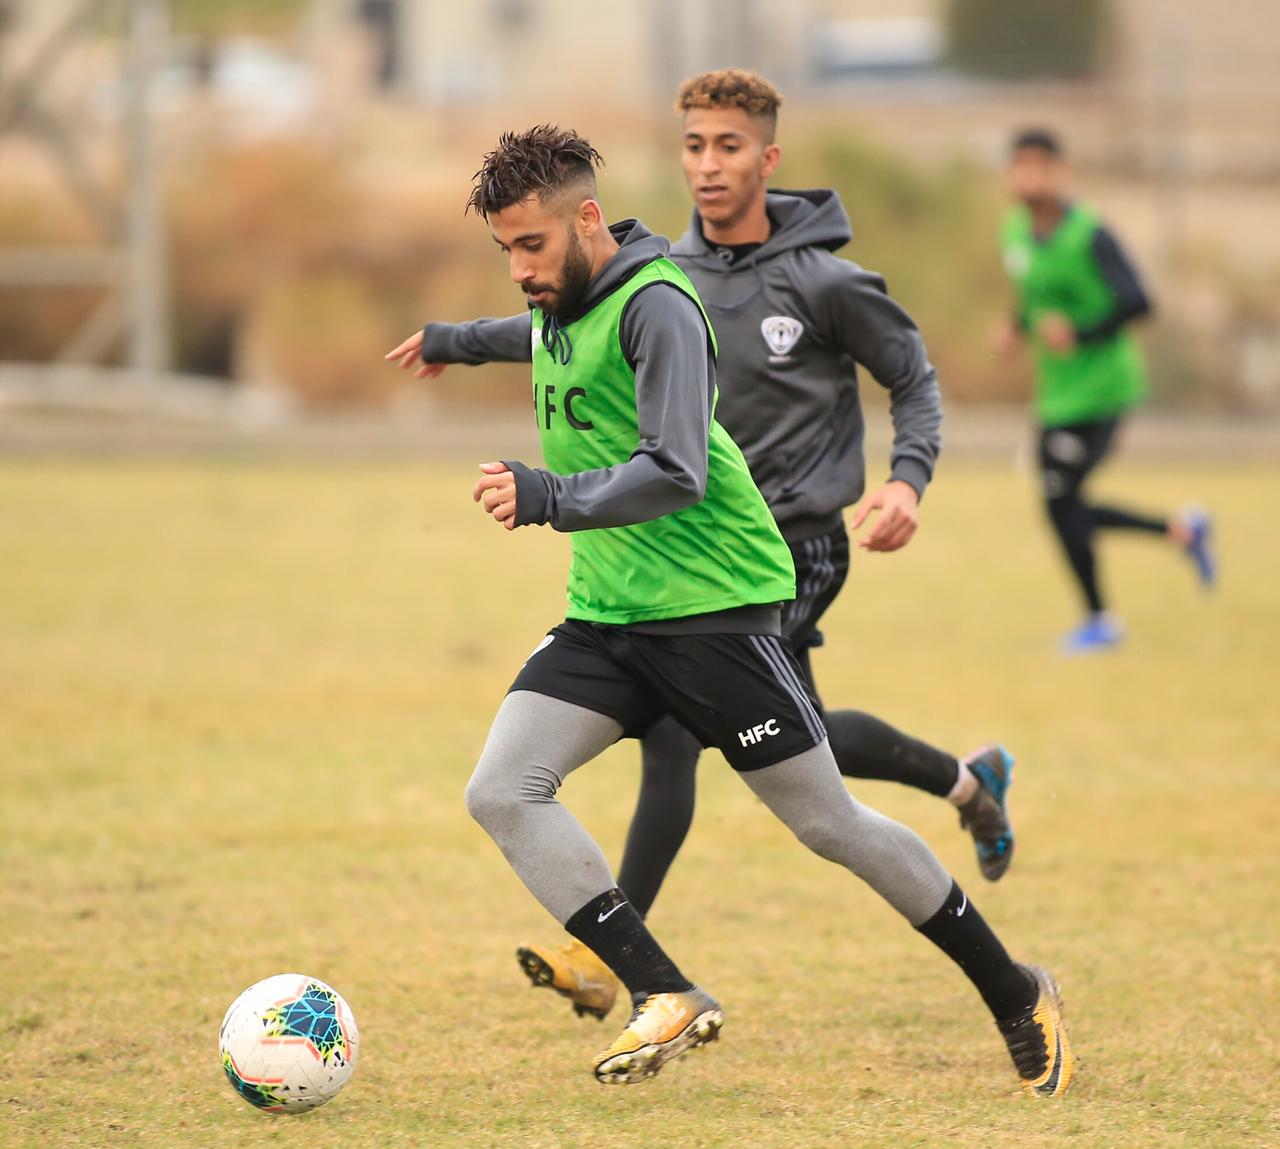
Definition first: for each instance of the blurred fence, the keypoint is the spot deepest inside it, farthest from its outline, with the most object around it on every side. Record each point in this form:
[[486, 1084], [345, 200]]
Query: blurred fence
[[106, 414]]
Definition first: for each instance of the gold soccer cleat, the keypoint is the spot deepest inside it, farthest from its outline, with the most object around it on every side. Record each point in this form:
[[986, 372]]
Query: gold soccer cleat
[[573, 971], [1037, 1040], [662, 1027]]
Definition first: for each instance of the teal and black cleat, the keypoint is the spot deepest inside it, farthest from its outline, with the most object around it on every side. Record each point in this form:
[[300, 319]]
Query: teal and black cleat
[[985, 815]]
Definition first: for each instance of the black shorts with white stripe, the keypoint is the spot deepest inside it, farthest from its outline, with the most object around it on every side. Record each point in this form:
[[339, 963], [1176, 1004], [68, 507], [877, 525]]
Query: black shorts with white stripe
[[822, 565], [742, 693]]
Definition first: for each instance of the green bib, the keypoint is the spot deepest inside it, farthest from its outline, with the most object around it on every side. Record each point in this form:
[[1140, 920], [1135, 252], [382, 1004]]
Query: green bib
[[723, 552], [1094, 381]]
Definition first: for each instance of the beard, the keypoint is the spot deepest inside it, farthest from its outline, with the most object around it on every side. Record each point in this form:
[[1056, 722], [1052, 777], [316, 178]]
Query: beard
[[1041, 200], [575, 278]]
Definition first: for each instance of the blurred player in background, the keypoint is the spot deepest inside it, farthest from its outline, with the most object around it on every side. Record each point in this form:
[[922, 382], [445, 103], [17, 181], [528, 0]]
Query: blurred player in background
[[794, 322], [675, 580], [1077, 295]]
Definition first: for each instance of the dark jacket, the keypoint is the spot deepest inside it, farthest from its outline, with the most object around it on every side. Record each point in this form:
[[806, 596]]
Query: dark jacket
[[793, 320]]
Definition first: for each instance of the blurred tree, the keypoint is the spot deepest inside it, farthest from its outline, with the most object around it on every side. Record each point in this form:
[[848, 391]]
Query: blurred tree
[[218, 17], [1022, 40]]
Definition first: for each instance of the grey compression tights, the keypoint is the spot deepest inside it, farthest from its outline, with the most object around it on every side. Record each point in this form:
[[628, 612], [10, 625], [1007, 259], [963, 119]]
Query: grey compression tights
[[536, 742]]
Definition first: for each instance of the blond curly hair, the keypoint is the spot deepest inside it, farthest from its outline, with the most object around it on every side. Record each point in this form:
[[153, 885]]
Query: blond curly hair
[[732, 88]]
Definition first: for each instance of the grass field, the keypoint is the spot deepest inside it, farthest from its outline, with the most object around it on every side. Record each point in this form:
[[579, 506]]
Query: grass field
[[239, 703]]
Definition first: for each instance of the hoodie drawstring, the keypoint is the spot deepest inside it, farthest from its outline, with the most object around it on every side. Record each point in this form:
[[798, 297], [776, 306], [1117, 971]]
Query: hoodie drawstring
[[555, 339]]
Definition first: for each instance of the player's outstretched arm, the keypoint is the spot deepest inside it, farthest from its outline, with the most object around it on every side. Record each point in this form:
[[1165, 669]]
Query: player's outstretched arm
[[664, 337], [437, 345], [409, 354], [1007, 333]]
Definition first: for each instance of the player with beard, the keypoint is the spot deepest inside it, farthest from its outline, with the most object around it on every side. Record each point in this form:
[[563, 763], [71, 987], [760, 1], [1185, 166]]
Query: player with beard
[[674, 586], [795, 323], [1077, 295]]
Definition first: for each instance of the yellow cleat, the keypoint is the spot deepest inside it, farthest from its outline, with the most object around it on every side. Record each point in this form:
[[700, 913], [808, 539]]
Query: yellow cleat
[[573, 971], [662, 1027], [1037, 1040]]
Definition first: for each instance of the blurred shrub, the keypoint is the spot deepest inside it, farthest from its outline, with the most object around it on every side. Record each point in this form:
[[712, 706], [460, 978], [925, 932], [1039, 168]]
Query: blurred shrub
[[215, 17], [1218, 340], [302, 267], [321, 334], [34, 325], [282, 269], [932, 233], [270, 245]]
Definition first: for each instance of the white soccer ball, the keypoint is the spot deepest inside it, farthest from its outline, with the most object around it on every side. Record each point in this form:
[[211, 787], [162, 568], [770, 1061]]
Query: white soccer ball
[[289, 1043]]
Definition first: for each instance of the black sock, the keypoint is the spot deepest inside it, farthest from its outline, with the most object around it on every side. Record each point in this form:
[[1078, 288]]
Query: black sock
[[1117, 518], [866, 747], [960, 932], [611, 927]]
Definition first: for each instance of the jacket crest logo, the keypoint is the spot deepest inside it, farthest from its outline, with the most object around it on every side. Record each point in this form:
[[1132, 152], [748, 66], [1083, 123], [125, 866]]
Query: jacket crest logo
[[781, 333]]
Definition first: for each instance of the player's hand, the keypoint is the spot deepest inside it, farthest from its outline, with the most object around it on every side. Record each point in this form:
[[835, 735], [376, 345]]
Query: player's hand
[[410, 352], [1057, 332], [1005, 337], [898, 505], [496, 492]]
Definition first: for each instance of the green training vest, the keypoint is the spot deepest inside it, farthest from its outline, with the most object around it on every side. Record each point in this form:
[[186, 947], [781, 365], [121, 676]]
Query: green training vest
[[723, 552], [1094, 381]]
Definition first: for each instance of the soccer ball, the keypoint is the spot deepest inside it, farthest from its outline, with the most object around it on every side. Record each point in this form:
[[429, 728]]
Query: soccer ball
[[289, 1043]]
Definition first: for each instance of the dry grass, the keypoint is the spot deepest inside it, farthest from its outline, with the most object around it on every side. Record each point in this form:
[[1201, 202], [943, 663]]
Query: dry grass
[[239, 705]]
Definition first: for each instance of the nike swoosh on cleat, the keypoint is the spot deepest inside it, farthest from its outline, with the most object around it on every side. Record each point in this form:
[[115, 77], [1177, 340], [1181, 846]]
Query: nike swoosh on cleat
[[964, 905], [1050, 1087], [602, 917]]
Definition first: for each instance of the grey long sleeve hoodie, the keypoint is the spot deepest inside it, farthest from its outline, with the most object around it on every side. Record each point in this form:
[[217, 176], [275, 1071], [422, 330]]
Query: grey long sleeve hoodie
[[664, 338], [793, 321]]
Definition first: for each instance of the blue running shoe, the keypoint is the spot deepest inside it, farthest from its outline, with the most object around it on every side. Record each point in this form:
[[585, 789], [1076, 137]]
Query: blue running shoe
[[1198, 549], [1098, 632], [985, 815]]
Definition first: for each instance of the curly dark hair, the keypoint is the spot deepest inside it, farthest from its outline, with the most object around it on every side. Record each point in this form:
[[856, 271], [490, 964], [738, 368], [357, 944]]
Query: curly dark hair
[[731, 88], [542, 161]]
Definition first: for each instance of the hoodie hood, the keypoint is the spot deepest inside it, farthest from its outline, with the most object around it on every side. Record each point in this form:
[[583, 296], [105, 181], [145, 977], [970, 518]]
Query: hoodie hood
[[637, 247], [800, 219]]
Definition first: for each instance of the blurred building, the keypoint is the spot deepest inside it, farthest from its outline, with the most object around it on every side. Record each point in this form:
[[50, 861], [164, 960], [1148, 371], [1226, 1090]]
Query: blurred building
[[1207, 74], [1210, 73], [507, 51]]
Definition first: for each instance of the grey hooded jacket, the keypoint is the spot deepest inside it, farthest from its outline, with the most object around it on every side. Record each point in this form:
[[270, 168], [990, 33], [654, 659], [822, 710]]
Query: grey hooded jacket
[[793, 320]]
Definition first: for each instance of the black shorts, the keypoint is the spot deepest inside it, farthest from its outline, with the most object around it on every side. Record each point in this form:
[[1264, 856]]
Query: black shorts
[[1067, 455], [822, 565], [742, 693]]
